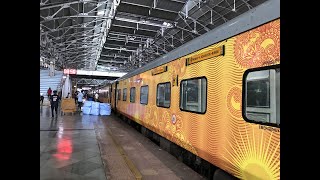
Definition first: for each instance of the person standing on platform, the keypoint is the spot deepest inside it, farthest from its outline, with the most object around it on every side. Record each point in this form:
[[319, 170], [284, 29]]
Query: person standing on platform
[[49, 93], [75, 97], [96, 96], [80, 99], [54, 100], [41, 98]]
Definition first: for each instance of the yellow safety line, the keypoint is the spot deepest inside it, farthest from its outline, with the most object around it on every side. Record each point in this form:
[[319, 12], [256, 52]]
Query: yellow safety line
[[130, 164]]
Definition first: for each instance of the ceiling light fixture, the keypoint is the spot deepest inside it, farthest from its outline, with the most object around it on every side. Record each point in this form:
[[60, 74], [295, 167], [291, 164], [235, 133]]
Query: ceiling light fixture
[[100, 12]]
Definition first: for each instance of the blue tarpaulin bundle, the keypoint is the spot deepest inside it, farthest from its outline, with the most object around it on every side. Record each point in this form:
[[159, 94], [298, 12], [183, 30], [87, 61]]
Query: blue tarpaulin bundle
[[86, 110], [87, 104], [105, 109], [95, 108]]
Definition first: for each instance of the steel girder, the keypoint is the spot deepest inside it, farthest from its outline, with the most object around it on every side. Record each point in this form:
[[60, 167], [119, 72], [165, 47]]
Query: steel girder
[[83, 32]]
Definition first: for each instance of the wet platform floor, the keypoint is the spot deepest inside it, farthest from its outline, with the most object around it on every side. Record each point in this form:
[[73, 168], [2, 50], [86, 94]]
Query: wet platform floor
[[102, 147]]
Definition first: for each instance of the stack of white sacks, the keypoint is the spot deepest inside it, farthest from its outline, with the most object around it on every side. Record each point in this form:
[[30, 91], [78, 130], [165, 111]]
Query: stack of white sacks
[[86, 107], [95, 108], [105, 109]]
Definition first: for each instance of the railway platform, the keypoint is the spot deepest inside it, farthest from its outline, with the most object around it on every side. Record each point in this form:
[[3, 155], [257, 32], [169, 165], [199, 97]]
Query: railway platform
[[102, 147]]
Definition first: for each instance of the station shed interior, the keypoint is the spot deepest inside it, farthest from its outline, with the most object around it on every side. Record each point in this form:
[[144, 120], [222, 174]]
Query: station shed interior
[[92, 44], [121, 36]]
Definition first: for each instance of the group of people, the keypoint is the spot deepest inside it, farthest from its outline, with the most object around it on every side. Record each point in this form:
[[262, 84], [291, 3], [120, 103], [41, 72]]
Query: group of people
[[55, 99], [79, 96], [49, 92]]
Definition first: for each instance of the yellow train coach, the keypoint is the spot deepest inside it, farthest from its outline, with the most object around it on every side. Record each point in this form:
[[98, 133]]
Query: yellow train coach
[[221, 103]]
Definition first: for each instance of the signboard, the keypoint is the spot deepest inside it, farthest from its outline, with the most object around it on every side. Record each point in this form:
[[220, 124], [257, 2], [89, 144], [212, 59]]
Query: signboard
[[205, 55], [159, 70], [70, 71]]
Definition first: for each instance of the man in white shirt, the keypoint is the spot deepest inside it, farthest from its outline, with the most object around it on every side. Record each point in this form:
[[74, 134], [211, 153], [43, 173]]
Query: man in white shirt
[[96, 96], [80, 99]]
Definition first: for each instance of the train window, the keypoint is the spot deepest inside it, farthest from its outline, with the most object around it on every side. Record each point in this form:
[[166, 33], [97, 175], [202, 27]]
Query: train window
[[193, 95], [132, 94], [119, 94], [261, 101], [164, 94], [124, 94], [144, 94]]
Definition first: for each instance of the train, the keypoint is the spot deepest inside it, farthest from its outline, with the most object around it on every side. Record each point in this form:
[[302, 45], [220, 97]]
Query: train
[[220, 103]]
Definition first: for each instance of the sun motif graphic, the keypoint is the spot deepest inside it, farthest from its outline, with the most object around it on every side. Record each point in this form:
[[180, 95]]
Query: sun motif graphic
[[234, 102], [254, 154]]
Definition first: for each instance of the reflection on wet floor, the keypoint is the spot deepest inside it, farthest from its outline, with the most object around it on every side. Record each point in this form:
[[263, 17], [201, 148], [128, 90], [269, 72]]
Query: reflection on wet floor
[[68, 147], [99, 147]]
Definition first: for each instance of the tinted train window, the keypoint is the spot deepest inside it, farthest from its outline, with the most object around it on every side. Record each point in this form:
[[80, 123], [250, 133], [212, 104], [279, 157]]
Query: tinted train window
[[193, 95], [132, 94], [124, 95], [262, 95], [163, 94], [144, 94], [119, 94]]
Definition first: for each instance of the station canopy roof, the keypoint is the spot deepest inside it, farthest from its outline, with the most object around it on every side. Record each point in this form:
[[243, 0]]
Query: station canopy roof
[[123, 35]]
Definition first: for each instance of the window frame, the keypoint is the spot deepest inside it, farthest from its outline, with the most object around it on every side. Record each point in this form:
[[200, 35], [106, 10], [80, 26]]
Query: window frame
[[124, 99], [134, 94], [157, 94], [244, 108], [147, 95], [206, 95]]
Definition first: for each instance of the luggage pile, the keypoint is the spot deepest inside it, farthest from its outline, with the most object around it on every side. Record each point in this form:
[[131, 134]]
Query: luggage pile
[[96, 108]]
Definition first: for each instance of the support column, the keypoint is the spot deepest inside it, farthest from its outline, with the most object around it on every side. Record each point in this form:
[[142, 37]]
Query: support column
[[67, 87], [51, 69]]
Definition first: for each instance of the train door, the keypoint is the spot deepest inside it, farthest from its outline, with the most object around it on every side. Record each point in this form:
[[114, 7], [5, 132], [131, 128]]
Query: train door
[[110, 94], [116, 95]]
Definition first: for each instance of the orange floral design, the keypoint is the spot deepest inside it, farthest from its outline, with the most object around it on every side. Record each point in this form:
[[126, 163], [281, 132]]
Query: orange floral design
[[258, 47], [179, 66], [160, 121], [150, 116]]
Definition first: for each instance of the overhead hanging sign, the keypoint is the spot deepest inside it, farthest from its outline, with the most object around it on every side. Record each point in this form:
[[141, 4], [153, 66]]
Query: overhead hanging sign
[[159, 70], [205, 55], [69, 71], [72, 71]]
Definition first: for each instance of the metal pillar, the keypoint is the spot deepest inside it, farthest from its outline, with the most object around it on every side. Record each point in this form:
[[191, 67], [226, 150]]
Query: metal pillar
[[51, 69]]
